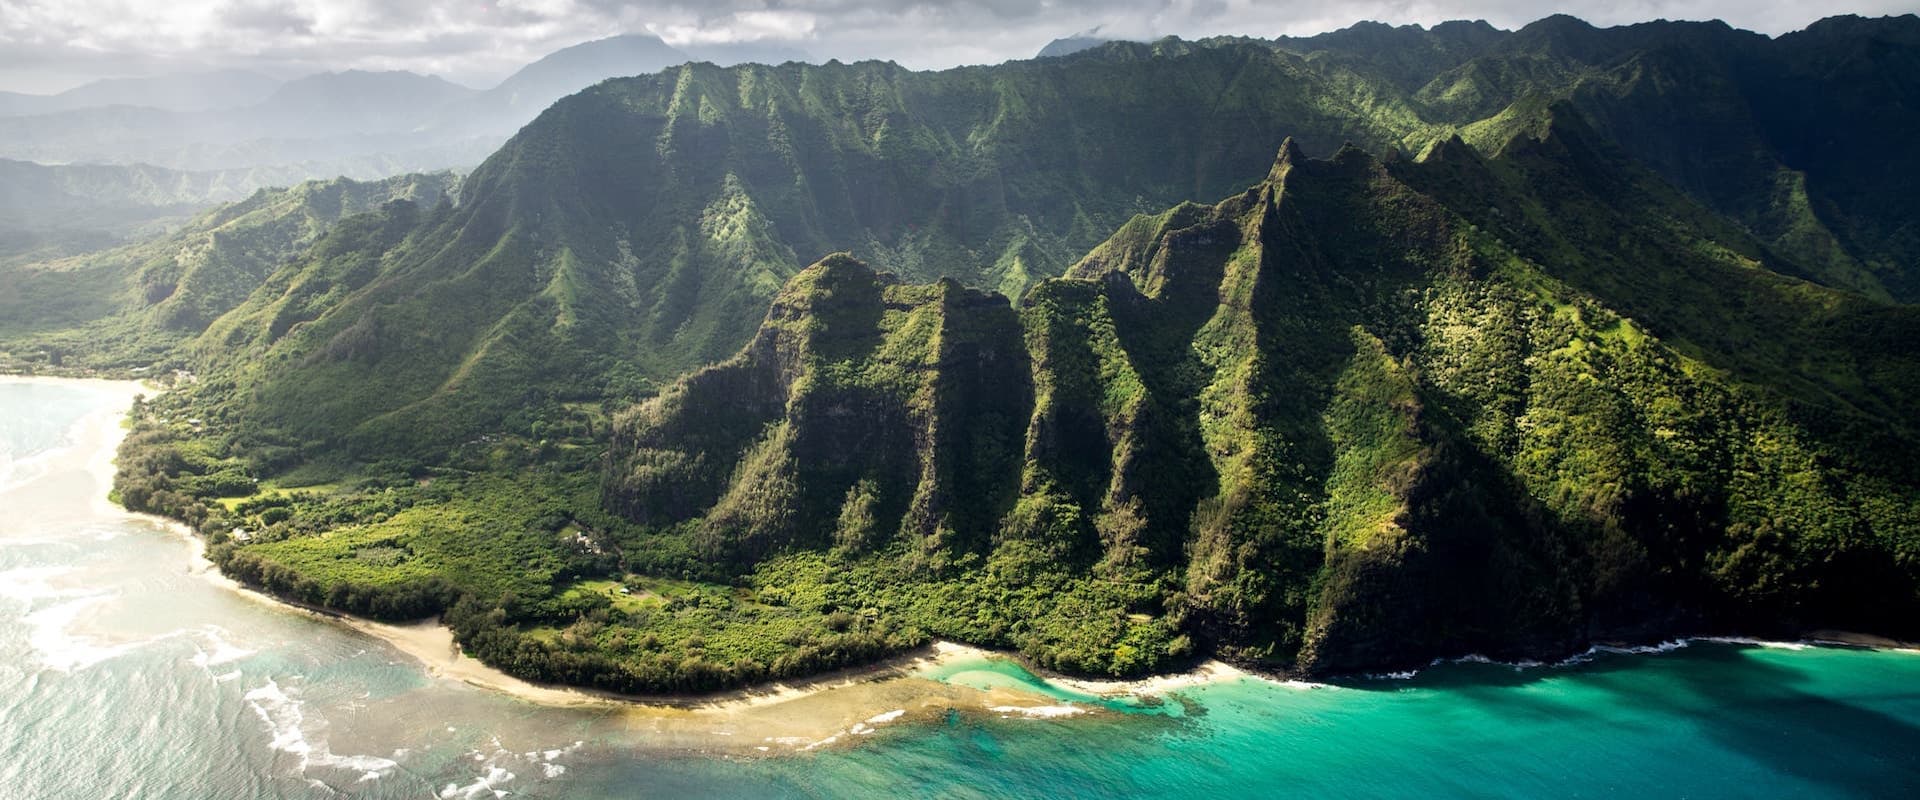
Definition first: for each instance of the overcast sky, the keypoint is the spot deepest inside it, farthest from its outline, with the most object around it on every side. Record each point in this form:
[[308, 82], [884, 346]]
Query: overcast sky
[[49, 45]]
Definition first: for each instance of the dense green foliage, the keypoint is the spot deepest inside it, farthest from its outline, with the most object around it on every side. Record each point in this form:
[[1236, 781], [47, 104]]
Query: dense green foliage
[[1800, 138], [1548, 382]]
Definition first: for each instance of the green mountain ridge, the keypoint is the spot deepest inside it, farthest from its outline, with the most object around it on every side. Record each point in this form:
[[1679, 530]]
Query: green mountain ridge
[[620, 273], [634, 230], [1329, 423]]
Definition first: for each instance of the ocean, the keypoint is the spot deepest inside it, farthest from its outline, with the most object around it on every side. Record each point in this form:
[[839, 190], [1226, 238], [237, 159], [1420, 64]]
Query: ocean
[[126, 671]]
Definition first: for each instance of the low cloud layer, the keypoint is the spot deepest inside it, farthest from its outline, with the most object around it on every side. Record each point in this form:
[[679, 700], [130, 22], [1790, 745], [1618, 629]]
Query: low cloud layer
[[48, 45]]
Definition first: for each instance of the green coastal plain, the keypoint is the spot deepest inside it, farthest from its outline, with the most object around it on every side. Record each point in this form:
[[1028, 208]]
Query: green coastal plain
[[1322, 356]]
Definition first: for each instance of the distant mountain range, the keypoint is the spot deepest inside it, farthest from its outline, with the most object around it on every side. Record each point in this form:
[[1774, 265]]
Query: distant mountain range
[[354, 123], [196, 91], [50, 212]]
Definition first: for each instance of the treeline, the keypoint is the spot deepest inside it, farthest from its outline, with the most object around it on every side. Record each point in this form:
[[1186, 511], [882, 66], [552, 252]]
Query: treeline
[[485, 631], [400, 603], [162, 473]]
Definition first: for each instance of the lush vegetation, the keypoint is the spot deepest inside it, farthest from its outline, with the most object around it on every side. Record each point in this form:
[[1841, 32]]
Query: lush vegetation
[[1547, 382]]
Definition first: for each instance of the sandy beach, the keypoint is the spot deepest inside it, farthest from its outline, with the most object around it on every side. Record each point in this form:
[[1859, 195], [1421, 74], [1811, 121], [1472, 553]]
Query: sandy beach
[[433, 646], [1154, 686], [1869, 640]]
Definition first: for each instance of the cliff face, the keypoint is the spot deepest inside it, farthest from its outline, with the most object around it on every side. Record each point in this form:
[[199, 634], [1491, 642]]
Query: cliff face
[[1364, 414], [863, 412]]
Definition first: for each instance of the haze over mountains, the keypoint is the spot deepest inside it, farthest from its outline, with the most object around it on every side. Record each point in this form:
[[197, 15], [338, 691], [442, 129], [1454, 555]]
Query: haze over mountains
[[202, 91], [48, 212], [354, 123], [1069, 45], [122, 158]]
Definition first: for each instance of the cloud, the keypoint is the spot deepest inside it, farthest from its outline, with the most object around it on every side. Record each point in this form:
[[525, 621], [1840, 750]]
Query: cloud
[[49, 42], [268, 18]]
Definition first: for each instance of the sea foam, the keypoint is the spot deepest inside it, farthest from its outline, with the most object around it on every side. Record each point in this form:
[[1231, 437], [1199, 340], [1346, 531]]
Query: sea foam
[[218, 650], [1039, 712], [285, 717]]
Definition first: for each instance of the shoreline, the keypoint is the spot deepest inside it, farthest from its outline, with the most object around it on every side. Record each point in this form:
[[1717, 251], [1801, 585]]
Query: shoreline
[[816, 712], [1823, 637], [1828, 637], [860, 689], [432, 645]]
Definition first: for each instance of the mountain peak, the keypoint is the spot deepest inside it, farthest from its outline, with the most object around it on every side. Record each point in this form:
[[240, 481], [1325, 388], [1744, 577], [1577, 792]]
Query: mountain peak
[[1560, 22], [1284, 162], [1350, 153], [1069, 45], [571, 69], [1904, 29], [1449, 150], [835, 267]]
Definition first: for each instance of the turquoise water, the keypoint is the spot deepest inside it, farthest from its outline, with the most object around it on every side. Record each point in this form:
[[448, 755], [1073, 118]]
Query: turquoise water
[[125, 674], [1708, 720]]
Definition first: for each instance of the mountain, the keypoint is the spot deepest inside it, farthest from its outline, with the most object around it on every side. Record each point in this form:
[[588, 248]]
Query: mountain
[[1366, 413], [634, 227], [360, 124], [727, 54], [523, 95], [198, 91], [1743, 123], [1407, 57], [54, 191], [1069, 45], [128, 306], [354, 101], [516, 100], [1328, 424], [51, 211]]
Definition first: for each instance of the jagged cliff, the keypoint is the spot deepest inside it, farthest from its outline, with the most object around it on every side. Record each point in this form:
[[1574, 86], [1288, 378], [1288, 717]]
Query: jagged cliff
[[1366, 413], [865, 411]]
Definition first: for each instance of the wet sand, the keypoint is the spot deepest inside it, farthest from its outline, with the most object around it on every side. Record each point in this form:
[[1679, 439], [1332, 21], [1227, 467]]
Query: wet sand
[[1868, 640]]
